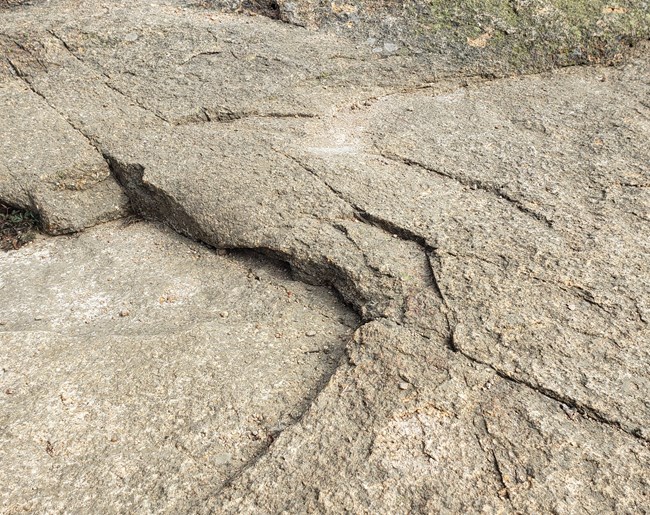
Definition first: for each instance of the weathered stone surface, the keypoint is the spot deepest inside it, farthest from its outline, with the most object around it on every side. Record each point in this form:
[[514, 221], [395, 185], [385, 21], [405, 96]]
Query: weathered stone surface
[[48, 166], [185, 65], [498, 36], [457, 438], [492, 235], [561, 298], [515, 284], [141, 370]]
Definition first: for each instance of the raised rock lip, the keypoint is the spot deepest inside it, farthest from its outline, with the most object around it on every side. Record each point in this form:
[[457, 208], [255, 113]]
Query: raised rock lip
[[464, 219]]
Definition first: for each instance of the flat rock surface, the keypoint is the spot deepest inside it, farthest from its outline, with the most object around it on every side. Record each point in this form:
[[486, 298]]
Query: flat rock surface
[[491, 233], [140, 369]]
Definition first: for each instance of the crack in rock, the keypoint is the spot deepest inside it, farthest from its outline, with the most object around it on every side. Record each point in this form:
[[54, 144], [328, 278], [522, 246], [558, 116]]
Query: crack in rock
[[474, 185], [375, 285], [556, 397], [152, 201]]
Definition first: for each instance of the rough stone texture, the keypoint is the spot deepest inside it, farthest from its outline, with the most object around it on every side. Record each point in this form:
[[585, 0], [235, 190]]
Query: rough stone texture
[[495, 36], [48, 166], [140, 370], [491, 234], [420, 430]]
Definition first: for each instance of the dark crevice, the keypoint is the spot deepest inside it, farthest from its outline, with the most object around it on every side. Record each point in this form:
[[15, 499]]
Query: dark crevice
[[361, 214], [267, 8], [314, 173], [208, 115], [135, 101], [579, 292], [343, 230], [65, 44], [154, 204], [254, 460], [384, 225], [563, 400], [504, 492], [201, 54], [149, 202], [404, 234], [24, 49], [17, 226]]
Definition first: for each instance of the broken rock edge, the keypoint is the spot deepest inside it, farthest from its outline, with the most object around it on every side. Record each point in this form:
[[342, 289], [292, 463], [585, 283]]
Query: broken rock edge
[[160, 207], [165, 209]]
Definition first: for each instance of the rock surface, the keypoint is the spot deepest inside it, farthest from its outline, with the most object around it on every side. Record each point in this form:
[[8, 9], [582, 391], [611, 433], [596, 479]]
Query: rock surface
[[142, 370], [497, 36], [48, 166], [492, 234]]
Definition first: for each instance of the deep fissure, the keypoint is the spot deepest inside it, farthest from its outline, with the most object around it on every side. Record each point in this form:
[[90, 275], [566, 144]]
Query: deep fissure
[[408, 235], [190, 229], [365, 217]]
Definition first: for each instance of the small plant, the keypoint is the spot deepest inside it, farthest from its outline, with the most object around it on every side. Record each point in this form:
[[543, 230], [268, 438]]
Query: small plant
[[17, 227]]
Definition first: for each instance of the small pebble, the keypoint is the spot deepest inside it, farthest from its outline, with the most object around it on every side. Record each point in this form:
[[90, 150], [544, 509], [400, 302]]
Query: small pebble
[[572, 307], [124, 313], [224, 314], [310, 333], [404, 386]]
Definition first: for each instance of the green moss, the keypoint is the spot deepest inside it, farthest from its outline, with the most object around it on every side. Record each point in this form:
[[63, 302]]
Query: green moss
[[514, 35]]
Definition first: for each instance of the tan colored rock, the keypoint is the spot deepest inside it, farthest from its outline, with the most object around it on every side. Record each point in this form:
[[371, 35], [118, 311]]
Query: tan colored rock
[[490, 233], [122, 388], [48, 166]]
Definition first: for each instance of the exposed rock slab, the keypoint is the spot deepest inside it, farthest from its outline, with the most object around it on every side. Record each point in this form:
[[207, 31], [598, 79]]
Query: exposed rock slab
[[491, 234], [419, 429], [464, 245], [141, 370], [49, 167]]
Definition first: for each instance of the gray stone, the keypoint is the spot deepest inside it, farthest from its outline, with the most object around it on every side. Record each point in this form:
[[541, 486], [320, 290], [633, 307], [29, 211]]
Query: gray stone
[[491, 235], [155, 408], [48, 166]]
